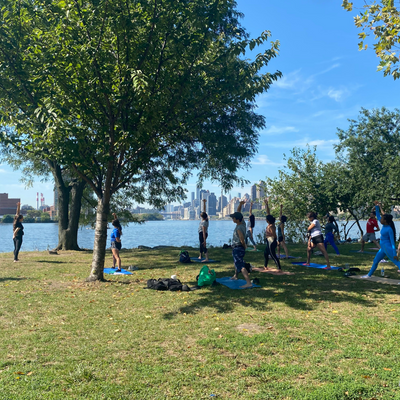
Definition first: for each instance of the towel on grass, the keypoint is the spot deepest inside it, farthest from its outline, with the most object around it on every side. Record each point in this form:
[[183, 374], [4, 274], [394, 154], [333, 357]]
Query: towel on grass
[[378, 279], [234, 284], [273, 271], [112, 271], [314, 265]]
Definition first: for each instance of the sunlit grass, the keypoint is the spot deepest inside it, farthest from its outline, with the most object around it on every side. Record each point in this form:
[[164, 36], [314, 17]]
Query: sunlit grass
[[311, 335]]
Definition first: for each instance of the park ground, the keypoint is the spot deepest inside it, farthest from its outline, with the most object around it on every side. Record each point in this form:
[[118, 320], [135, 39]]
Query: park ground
[[311, 335]]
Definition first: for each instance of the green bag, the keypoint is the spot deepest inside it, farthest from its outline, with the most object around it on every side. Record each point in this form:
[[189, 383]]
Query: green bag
[[206, 277]]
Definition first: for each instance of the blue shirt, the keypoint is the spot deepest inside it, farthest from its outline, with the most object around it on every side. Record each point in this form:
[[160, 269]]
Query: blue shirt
[[115, 234], [387, 234]]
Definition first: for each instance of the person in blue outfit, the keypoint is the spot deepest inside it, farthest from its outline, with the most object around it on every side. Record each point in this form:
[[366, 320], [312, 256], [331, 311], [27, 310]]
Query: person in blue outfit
[[18, 232], [331, 227], [116, 242], [388, 244]]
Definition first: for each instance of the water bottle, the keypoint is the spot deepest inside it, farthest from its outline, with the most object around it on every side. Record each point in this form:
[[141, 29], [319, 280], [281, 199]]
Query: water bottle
[[382, 272]]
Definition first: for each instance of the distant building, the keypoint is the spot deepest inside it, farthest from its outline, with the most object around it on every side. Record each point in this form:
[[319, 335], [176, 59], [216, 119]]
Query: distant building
[[197, 193], [192, 197], [212, 204], [240, 195], [8, 206], [253, 192], [260, 190], [222, 202]]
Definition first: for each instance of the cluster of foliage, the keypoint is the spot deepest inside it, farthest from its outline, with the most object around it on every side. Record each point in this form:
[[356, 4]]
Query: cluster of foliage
[[365, 169], [151, 217], [382, 17], [31, 216]]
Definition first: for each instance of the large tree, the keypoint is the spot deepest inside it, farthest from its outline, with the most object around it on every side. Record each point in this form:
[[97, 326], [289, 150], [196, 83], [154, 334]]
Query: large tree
[[382, 19], [370, 148], [133, 94]]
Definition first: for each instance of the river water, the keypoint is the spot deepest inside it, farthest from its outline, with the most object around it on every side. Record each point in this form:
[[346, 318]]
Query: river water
[[42, 236]]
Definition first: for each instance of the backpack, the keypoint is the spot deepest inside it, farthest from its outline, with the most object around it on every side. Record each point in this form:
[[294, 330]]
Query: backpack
[[166, 284], [206, 276], [184, 257]]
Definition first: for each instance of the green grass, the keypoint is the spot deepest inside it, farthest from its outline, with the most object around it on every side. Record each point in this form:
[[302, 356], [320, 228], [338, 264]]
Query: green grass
[[312, 335]]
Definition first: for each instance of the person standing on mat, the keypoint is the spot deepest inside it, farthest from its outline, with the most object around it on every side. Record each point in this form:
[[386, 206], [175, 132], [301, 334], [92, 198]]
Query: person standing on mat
[[330, 227], [316, 239], [239, 248], [281, 234], [249, 227], [372, 227], [116, 242], [270, 239], [18, 232], [388, 244], [203, 233]]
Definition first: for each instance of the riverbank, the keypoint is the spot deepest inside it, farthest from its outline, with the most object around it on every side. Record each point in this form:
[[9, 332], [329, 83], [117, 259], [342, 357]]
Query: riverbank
[[311, 335]]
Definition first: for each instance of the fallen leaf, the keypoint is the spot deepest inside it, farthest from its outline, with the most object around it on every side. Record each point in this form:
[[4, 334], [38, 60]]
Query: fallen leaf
[[366, 377], [117, 330], [20, 373], [220, 336], [148, 316], [387, 369], [270, 327], [334, 311], [29, 373], [216, 329]]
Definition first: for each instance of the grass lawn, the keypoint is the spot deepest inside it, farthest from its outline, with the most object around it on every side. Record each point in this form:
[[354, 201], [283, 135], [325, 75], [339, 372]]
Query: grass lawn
[[311, 335]]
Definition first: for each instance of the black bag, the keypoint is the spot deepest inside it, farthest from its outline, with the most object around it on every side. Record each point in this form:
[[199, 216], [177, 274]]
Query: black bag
[[167, 284], [184, 257]]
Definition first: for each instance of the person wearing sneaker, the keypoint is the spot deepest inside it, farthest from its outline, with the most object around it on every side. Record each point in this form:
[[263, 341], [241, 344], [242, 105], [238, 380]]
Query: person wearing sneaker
[[116, 242], [388, 245], [18, 232]]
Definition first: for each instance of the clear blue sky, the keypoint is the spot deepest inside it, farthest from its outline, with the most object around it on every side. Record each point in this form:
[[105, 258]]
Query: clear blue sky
[[326, 81]]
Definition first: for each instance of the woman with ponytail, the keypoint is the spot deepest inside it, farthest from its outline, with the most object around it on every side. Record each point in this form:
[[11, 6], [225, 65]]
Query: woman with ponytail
[[388, 233], [116, 242]]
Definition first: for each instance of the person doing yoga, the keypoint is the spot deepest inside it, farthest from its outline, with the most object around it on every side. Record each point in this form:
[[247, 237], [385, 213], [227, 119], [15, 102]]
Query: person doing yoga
[[388, 245], [116, 242], [203, 232], [281, 234], [330, 227], [249, 227], [270, 239], [316, 238], [372, 227]]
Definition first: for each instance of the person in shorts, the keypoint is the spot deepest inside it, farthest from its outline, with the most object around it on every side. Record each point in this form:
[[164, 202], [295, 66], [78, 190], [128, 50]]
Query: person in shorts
[[316, 238], [239, 248], [372, 227], [116, 242]]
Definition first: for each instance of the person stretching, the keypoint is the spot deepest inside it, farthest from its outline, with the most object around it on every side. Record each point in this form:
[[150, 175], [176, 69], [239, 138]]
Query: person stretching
[[316, 238], [270, 239], [18, 232], [203, 233], [372, 227], [249, 227], [329, 237], [116, 242], [239, 248], [281, 234], [388, 233]]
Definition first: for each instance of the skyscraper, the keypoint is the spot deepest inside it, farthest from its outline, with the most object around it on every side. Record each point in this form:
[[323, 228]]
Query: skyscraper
[[260, 190], [197, 193], [192, 197], [212, 204], [253, 192], [239, 195]]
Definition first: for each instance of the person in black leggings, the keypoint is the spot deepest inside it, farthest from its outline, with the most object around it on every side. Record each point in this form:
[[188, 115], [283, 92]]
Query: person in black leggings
[[18, 232], [270, 240]]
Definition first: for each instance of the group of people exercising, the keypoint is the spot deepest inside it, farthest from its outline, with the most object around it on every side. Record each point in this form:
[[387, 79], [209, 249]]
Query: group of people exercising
[[274, 238]]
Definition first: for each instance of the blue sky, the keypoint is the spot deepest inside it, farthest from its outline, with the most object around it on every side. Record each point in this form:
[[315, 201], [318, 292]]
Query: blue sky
[[326, 81]]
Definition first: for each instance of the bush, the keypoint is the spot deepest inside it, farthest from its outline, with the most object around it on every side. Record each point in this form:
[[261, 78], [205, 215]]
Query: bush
[[7, 219]]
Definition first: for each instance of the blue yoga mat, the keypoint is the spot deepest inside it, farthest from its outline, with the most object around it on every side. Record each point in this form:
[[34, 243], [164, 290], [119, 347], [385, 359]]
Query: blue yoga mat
[[284, 257], [364, 252], [111, 271], [314, 265], [234, 284], [195, 259]]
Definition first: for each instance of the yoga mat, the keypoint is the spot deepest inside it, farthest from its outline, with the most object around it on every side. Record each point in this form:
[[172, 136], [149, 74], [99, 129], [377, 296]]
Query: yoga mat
[[272, 271], [364, 252], [253, 251], [234, 284], [314, 265], [111, 271], [374, 248], [284, 257], [195, 259], [378, 279]]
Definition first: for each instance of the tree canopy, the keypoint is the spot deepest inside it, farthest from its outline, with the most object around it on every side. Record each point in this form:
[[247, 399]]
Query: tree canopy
[[132, 95], [382, 19]]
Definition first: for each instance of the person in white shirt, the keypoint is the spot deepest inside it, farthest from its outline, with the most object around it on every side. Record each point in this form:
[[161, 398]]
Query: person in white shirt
[[316, 238]]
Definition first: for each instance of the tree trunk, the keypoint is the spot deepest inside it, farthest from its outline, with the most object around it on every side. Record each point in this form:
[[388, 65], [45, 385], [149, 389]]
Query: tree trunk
[[100, 241], [69, 215], [69, 210]]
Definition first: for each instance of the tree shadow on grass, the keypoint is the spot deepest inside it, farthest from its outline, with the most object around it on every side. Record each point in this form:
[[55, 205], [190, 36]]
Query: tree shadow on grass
[[304, 291], [52, 262], [4, 279]]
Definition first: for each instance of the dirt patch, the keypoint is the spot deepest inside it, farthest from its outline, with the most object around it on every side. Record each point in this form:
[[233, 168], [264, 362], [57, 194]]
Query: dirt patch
[[249, 329]]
